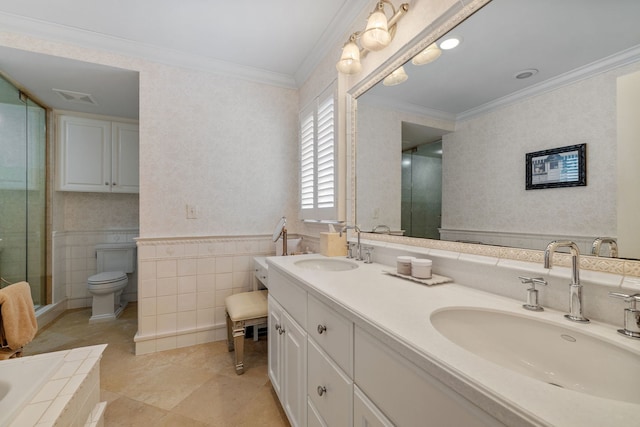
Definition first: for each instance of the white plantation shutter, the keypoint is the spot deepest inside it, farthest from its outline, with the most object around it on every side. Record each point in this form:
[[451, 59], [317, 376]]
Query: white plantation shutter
[[318, 159], [326, 155], [307, 163]]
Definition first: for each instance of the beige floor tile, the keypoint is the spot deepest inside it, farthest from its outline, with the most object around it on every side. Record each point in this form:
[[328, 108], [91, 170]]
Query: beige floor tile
[[192, 386]]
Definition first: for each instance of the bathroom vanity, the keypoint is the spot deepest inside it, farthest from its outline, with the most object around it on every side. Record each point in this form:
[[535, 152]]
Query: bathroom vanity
[[351, 345]]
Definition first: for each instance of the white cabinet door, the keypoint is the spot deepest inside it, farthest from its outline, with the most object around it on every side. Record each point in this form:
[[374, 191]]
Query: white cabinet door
[[84, 154], [125, 157], [275, 345], [288, 363], [295, 371], [97, 156]]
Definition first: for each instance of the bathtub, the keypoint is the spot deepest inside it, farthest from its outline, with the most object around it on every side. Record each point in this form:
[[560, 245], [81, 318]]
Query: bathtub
[[20, 381]]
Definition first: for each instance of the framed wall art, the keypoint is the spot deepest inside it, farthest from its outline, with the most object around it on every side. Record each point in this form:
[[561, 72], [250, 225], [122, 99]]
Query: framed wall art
[[557, 167]]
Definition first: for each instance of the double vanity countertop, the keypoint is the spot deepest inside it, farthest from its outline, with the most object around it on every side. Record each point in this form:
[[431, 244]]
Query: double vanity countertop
[[398, 312]]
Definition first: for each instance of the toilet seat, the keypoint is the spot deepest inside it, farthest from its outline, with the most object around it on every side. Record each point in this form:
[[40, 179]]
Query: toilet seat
[[106, 278]]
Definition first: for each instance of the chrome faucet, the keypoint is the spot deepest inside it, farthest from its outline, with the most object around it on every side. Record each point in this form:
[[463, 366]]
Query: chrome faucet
[[613, 246], [575, 288], [358, 247]]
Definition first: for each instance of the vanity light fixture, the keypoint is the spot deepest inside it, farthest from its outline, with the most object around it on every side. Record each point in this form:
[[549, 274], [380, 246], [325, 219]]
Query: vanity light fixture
[[430, 54], [376, 36], [396, 77], [350, 59]]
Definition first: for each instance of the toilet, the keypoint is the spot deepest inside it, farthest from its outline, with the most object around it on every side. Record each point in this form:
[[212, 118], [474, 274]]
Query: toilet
[[114, 262]]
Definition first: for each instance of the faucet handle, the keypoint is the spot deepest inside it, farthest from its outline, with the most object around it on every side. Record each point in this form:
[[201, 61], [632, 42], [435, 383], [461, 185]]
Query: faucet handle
[[533, 281], [631, 299], [631, 315], [532, 293], [368, 252]]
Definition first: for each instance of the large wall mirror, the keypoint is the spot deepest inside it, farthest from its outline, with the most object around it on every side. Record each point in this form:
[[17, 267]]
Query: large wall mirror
[[442, 154]]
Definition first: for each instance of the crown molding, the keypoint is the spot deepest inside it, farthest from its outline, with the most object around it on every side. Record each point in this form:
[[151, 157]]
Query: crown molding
[[405, 107], [617, 60], [93, 40], [332, 37]]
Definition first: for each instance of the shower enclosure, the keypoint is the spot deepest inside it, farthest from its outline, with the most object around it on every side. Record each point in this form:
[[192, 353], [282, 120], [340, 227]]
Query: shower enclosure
[[22, 191], [421, 198]]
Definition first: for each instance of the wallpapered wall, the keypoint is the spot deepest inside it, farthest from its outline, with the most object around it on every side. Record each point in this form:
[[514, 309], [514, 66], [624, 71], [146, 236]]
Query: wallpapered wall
[[484, 163]]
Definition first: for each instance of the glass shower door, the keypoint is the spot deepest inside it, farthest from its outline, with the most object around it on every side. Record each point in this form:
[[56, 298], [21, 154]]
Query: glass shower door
[[22, 191]]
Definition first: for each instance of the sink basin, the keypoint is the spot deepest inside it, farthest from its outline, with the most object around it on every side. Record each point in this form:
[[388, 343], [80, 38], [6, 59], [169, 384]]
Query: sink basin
[[326, 264], [544, 351]]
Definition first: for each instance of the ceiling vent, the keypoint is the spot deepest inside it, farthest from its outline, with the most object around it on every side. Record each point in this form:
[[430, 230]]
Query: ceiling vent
[[77, 97]]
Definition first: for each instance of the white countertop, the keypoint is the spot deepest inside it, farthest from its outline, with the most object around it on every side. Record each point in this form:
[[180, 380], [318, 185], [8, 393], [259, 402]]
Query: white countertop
[[398, 311]]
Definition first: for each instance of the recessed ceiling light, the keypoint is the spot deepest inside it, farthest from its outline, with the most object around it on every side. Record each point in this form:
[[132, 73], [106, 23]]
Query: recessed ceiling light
[[525, 74], [450, 43]]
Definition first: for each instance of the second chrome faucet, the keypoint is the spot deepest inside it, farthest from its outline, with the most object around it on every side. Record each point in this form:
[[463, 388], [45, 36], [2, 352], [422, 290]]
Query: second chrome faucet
[[575, 288]]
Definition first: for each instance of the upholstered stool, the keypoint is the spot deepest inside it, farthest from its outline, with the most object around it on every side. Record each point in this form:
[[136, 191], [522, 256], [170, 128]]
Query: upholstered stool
[[243, 309]]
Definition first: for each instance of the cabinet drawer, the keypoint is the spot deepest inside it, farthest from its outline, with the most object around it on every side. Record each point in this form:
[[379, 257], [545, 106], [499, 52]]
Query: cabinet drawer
[[329, 389], [365, 413], [260, 270], [406, 394], [333, 332], [290, 296]]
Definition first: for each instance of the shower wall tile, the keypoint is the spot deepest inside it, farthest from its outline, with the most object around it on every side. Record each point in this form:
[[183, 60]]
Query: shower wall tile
[[186, 282]]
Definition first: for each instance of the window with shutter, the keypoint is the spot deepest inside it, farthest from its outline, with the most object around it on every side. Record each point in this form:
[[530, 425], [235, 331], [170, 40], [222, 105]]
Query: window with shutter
[[318, 159]]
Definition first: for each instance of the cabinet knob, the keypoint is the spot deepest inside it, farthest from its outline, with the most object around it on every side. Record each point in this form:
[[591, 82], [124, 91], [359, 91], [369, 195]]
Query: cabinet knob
[[321, 329], [114, 184], [321, 390], [106, 183], [279, 328]]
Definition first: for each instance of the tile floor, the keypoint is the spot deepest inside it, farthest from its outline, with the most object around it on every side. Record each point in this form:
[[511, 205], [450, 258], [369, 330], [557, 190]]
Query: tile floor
[[193, 386]]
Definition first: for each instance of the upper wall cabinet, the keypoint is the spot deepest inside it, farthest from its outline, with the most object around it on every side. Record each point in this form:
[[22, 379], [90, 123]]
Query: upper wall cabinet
[[97, 156]]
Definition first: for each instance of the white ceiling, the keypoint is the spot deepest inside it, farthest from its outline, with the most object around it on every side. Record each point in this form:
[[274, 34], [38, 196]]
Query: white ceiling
[[282, 41], [276, 41], [564, 39]]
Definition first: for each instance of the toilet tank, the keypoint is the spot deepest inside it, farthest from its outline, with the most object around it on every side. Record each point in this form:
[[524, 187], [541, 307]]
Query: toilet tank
[[116, 257]]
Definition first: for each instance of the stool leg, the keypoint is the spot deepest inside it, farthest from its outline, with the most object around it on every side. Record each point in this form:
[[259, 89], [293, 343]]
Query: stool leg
[[238, 341], [229, 333]]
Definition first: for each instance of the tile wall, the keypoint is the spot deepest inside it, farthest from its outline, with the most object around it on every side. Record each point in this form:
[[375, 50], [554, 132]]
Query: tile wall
[[183, 284], [74, 258]]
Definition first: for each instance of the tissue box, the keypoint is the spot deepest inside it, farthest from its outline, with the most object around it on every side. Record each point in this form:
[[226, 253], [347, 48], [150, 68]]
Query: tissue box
[[331, 244]]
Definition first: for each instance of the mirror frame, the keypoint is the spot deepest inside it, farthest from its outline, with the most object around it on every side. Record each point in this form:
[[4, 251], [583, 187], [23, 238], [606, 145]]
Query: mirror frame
[[440, 26]]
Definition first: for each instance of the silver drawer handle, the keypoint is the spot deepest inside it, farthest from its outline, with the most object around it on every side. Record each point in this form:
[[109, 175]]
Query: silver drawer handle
[[321, 329], [321, 390]]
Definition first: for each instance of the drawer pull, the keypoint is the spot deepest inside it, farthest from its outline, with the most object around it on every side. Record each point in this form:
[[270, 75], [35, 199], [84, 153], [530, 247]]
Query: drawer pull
[[279, 328], [321, 390], [321, 329]]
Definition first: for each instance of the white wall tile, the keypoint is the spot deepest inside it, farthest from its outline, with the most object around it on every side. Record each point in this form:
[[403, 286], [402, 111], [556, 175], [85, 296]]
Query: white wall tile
[[206, 282], [187, 302], [224, 264], [167, 268], [224, 281], [207, 265], [187, 267], [167, 286], [187, 284], [167, 323], [167, 304]]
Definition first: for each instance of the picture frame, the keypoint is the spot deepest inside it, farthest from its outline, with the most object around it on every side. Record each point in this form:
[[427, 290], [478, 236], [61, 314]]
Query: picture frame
[[557, 167]]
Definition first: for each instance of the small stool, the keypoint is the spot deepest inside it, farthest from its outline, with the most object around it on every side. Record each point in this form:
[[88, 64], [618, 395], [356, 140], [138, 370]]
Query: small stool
[[243, 309]]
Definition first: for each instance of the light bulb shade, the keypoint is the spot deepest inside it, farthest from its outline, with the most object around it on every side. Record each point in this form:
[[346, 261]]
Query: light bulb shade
[[349, 62], [376, 36], [428, 55], [395, 78]]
